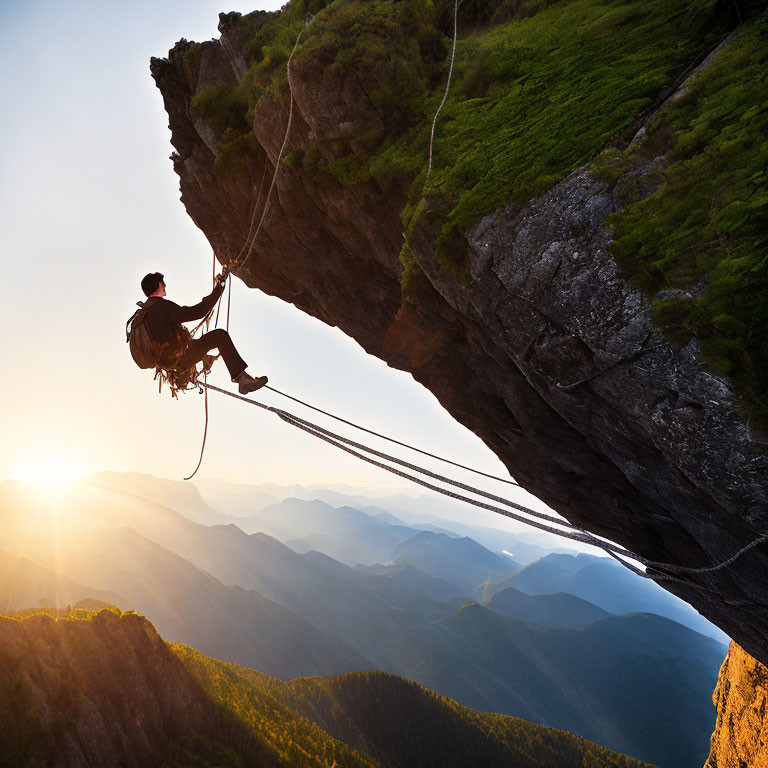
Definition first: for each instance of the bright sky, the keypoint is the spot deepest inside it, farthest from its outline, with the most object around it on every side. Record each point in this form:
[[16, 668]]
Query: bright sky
[[89, 203]]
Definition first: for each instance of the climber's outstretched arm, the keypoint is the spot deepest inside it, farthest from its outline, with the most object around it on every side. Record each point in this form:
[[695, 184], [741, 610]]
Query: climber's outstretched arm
[[196, 311]]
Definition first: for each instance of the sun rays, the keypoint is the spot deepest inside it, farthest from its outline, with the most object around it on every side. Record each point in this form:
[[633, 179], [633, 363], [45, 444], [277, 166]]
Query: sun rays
[[49, 472]]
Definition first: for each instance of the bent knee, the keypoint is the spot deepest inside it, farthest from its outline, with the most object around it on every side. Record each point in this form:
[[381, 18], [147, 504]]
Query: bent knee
[[218, 335]]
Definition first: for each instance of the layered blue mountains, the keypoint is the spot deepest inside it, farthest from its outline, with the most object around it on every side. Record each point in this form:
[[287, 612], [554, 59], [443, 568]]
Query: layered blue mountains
[[337, 583]]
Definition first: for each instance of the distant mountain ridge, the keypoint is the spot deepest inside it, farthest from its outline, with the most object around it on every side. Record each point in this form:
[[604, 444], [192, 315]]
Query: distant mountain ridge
[[604, 583], [463, 561], [550, 610]]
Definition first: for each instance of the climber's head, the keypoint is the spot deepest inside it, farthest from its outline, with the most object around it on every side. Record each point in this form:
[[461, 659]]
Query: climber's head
[[153, 284]]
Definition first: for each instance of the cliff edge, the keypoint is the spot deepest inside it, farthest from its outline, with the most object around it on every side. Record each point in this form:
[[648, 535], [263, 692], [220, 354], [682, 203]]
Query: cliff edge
[[517, 284]]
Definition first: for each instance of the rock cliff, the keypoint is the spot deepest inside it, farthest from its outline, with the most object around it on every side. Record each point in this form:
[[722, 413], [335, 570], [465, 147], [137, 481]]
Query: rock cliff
[[740, 699], [521, 324], [109, 692]]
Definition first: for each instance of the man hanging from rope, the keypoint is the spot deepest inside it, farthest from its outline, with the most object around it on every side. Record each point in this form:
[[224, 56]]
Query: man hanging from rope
[[176, 347]]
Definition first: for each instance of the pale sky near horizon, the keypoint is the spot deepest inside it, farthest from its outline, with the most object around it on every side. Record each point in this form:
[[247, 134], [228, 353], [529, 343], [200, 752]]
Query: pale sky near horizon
[[89, 203]]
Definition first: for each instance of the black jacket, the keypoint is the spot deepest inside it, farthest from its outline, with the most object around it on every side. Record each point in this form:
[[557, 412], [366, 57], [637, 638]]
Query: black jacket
[[165, 317]]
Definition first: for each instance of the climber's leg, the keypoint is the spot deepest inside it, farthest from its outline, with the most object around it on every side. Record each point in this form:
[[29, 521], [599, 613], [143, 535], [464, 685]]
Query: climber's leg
[[216, 339]]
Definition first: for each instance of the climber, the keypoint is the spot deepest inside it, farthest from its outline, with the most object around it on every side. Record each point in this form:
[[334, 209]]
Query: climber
[[177, 349]]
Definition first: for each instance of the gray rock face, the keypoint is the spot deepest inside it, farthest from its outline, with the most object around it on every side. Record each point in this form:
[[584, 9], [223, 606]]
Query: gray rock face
[[691, 485], [546, 354]]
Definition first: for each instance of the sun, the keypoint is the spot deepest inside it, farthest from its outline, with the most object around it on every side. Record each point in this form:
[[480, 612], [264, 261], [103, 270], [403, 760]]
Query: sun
[[50, 472]]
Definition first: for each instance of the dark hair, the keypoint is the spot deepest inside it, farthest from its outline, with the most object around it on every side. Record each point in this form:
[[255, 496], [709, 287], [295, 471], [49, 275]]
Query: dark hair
[[151, 283]]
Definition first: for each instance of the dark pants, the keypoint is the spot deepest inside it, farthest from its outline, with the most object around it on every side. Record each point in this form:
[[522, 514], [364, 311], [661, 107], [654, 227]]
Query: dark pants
[[218, 339]]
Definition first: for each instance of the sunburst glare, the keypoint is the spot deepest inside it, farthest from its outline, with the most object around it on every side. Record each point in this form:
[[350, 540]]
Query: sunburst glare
[[52, 472]]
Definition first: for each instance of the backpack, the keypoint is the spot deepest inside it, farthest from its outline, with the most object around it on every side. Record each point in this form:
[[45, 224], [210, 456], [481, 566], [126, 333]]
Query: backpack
[[146, 352]]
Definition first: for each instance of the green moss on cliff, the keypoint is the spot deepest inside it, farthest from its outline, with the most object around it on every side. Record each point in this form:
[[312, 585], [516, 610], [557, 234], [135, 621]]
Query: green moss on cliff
[[535, 99], [224, 105], [704, 229], [540, 88], [532, 97]]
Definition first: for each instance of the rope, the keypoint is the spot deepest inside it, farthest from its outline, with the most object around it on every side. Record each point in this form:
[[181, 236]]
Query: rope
[[392, 439], [279, 156], [253, 215], [207, 320], [575, 534], [205, 430], [349, 445], [429, 473], [447, 88], [229, 299]]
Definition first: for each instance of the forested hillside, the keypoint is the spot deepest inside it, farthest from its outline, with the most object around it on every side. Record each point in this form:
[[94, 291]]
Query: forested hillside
[[102, 688]]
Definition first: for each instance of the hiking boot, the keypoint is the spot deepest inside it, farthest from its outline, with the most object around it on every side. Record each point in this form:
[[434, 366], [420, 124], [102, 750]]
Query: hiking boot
[[246, 383]]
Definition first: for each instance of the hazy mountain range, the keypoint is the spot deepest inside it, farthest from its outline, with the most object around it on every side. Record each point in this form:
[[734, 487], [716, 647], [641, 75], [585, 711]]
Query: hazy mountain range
[[408, 609]]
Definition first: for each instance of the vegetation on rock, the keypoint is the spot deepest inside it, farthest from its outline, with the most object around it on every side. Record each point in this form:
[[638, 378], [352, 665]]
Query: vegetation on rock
[[105, 690], [699, 242], [539, 87]]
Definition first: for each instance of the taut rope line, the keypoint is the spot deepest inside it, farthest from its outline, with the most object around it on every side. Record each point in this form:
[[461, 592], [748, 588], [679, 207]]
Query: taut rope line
[[392, 439], [277, 162], [575, 534]]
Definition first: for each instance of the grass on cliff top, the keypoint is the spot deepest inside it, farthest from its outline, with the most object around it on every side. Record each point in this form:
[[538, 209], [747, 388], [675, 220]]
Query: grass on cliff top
[[537, 98], [704, 231], [531, 99], [538, 88]]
